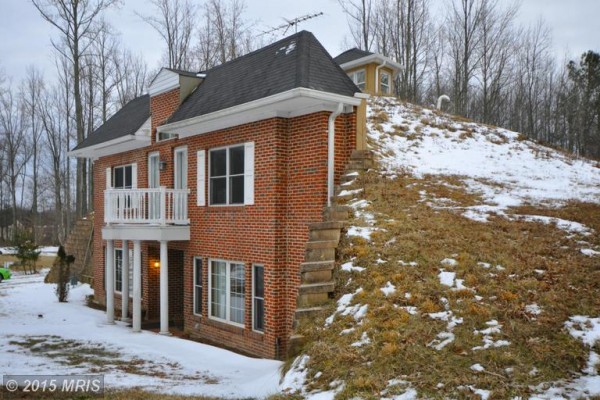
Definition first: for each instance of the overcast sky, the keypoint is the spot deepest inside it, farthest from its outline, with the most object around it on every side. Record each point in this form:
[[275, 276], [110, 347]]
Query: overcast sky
[[25, 37]]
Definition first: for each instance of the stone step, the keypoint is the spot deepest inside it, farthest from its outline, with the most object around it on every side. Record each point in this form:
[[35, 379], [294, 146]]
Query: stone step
[[307, 312], [335, 215], [313, 277], [310, 300], [326, 225], [316, 266], [320, 254], [362, 154], [322, 244], [325, 234], [314, 288]]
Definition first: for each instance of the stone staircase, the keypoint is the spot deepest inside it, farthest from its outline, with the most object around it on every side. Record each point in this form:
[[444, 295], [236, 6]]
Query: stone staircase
[[79, 244], [317, 284]]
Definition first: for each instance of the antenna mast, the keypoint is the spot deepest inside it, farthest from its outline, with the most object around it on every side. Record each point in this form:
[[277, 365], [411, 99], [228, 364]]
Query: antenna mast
[[292, 22]]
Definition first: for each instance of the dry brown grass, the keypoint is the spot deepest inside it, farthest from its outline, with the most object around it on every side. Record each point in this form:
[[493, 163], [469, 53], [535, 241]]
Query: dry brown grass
[[415, 232]]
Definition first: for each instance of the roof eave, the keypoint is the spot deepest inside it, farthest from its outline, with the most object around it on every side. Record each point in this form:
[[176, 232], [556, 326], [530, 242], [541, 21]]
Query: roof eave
[[139, 139], [118, 145], [377, 58], [285, 105]]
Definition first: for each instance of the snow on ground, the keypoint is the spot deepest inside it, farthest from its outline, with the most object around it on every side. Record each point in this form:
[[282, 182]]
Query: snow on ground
[[588, 384], [45, 250], [29, 311], [506, 170]]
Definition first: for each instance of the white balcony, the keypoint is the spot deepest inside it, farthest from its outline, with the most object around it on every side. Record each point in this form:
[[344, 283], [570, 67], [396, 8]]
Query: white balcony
[[160, 206], [146, 214]]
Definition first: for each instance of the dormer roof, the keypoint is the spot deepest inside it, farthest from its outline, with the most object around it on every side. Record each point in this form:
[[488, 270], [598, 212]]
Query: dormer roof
[[355, 57]]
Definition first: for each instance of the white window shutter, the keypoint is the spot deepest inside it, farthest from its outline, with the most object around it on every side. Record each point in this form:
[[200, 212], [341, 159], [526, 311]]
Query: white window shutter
[[109, 178], [201, 178], [134, 182], [249, 173]]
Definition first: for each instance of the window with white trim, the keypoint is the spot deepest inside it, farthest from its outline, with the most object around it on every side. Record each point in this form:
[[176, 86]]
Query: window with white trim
[[359, 78], [231, 175], [227, 291], [384, 83], [123, 177], [198, 285], [258, 298]]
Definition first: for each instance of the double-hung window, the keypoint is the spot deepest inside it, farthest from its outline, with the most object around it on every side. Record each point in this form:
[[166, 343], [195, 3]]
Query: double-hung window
[[231, 175], [227, 291], [198, 285], [384, 83], [359, 79], [258, 298], [123, 177]]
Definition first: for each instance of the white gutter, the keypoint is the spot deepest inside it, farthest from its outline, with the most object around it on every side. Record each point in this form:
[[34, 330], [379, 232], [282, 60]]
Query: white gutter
[[331, 151], [377, 84], [371, 58]]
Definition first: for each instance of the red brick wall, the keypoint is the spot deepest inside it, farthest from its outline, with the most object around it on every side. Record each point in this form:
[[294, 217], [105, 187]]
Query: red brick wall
[[290, 192]]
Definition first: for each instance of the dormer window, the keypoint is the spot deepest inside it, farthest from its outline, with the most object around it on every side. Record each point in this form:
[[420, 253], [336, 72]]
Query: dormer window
[[384, 83], [359, 78]]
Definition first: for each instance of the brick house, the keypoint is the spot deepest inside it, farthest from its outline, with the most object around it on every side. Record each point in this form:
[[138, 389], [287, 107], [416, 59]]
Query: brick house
[[205, 188]]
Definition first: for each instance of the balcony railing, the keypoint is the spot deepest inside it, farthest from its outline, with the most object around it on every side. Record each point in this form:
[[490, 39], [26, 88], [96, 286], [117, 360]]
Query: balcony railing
[[160, 206]]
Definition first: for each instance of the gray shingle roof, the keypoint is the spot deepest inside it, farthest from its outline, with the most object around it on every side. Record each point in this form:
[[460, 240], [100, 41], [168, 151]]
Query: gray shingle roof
[[125, 122], [296, 61], [351, 55]]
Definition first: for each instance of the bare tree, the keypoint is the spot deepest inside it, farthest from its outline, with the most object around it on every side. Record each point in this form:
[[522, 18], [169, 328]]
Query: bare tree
[[131, 77], [175, 24], [75, 20], [463, 22], [360, 21], [31, 92], [13, 127], [498, 46]]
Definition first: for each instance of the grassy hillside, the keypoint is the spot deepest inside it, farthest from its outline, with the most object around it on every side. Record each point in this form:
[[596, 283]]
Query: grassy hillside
[[471, 270]]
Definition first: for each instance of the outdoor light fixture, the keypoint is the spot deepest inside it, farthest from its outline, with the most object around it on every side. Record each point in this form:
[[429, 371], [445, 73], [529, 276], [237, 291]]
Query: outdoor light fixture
[[162, 165], [156, 264]]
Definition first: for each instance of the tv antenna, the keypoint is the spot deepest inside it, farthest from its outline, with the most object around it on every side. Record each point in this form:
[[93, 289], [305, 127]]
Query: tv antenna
[[292, 23]]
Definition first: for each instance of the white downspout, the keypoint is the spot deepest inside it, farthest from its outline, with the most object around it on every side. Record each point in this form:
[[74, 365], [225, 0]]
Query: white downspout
[[377, 68], [331, 151]]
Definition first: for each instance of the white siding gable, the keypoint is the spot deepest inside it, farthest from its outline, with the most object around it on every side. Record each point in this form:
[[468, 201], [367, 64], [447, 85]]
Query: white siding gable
[[163, 82]]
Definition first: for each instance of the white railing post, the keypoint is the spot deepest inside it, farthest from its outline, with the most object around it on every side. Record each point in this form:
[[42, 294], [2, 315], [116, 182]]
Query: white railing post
[[163, 205]]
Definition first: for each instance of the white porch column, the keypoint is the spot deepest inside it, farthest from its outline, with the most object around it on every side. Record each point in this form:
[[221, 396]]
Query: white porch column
[[109, 275], [164, 288], [137, 286], [125, 283]]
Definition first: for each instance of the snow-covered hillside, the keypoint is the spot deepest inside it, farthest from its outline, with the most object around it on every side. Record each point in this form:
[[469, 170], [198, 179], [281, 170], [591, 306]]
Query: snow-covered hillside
[[469, 270], [501, 165]]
